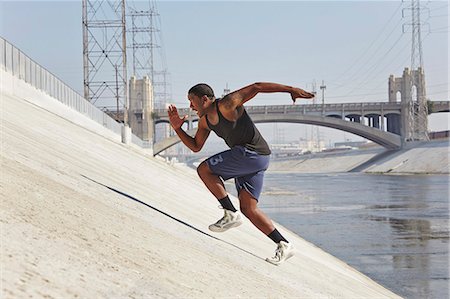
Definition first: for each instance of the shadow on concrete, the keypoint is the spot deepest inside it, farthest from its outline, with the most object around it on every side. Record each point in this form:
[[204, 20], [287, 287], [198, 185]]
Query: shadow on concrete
[[374, 160], [171, 217]]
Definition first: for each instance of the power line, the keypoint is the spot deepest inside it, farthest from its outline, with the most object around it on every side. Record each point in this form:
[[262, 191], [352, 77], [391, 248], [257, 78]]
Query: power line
[[370, 46], [440, 30], [356, 95], [440, 7], [439, 92], [376, 64]]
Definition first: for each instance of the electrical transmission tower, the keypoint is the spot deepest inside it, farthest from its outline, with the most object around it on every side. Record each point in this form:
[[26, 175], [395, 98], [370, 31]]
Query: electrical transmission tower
[[143, 40], [147, 50], [142, 45], [417, 105], [104, 54]]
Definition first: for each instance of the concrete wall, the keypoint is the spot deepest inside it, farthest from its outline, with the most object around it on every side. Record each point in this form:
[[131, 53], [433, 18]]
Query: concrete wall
[[420, 158], [324, 162], [141, 108]]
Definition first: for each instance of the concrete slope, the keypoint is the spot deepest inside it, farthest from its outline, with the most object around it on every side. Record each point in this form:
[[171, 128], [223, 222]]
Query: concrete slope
[[325, 162], [432, 157], [85, 216], [382, 155]]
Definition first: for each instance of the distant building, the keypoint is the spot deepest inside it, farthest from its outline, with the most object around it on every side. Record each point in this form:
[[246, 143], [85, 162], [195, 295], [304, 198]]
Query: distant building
[[350, 144], [314, 146]]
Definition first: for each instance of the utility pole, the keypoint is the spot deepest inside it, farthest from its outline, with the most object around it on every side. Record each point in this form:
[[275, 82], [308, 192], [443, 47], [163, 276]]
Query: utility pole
[[315, 133], [226, 90], [117, 93], [323, 87], [124, 65]]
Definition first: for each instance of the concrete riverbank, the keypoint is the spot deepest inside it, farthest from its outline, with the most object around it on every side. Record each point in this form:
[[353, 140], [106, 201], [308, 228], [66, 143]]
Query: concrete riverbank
[[420, 158], [86, 216]]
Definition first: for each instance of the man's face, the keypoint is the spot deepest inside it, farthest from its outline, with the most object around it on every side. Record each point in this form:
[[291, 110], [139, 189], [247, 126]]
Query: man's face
[[196, 104]]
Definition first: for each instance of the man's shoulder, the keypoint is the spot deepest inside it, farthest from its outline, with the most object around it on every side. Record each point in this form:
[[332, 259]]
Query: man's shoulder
[[202, 124], [227, 104]]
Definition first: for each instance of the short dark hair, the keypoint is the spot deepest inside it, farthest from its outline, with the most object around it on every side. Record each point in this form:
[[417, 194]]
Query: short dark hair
[[202, 89]]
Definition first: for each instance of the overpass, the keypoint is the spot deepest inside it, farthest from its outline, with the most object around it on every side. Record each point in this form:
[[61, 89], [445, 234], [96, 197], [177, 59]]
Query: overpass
[[375, 121]]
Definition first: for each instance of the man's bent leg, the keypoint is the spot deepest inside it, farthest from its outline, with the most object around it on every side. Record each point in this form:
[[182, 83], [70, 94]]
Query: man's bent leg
[[250, 209], [214, 183]]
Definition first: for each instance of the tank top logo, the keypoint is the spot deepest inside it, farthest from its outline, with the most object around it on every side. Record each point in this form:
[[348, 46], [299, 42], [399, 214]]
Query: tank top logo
[[216, 160]]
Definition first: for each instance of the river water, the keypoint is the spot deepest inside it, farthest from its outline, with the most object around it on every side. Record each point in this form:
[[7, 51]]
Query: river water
[[394, 229]]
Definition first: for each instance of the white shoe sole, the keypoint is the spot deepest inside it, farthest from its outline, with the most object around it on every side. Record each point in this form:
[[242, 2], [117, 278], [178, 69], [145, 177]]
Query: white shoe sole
[[216, 229], [289, 255]]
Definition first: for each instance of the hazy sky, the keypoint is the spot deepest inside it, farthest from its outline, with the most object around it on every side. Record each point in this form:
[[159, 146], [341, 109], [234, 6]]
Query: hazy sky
[[352, 45]]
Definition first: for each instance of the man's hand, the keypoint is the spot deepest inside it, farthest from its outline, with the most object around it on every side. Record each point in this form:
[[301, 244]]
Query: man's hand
[[300, 93], [175, 121]]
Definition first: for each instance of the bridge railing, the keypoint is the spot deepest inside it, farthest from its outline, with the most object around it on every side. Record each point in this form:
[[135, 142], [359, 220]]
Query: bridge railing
[[17, 63], [304, 108], [319, 107]]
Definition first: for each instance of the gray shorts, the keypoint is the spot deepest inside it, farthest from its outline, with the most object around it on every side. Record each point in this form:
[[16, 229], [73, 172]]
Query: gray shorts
[[245, 166]]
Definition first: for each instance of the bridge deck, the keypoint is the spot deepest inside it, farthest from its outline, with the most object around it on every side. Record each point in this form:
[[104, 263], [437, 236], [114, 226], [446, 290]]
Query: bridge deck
[[318, 114], [338, 109]]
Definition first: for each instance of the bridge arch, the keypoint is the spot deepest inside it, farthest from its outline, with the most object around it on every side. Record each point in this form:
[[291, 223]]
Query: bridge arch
[[162, 121], [385, 139]]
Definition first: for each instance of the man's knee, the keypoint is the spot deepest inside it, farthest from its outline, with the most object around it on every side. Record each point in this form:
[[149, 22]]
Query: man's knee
[[203, 169], [248, 204], [248, 211]]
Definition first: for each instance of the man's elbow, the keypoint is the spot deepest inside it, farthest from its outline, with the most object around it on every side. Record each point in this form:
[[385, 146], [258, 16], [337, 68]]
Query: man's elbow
[[196, 148], [257, 86]]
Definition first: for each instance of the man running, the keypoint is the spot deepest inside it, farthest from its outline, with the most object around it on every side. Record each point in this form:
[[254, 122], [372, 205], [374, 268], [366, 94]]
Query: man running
[[245, 161]]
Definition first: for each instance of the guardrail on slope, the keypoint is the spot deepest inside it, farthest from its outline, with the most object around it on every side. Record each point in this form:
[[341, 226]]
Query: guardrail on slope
[[17, 63]]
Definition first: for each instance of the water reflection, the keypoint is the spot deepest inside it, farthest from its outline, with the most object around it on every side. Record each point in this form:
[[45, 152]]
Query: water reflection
[[408, 229], [392, 228], [412, 233]]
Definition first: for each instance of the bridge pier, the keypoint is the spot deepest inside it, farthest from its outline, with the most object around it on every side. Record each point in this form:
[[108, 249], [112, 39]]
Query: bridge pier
[[376, 122], [355, 118], [394, 123], [373, 121]]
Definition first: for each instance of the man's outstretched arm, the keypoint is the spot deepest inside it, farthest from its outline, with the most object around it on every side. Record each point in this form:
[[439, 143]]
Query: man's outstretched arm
[[239, 97]]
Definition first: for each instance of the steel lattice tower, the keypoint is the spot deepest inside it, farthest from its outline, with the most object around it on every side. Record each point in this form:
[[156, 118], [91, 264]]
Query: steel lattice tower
[[142, 32], [147, 49], [418, 108], [416, 44], [104, 53]]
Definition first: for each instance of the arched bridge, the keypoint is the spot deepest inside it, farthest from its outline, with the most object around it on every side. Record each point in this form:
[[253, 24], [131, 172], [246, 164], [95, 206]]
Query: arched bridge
[[378, 122]]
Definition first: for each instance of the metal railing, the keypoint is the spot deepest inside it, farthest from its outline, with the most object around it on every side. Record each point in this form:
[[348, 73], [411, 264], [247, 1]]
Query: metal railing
[[305, 108], [17, 63]]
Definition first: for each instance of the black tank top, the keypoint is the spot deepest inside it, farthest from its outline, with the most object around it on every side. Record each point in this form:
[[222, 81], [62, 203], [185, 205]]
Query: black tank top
[[241, 132]]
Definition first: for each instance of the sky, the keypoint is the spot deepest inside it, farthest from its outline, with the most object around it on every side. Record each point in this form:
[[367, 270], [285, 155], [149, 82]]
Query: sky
[[353, 46]]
